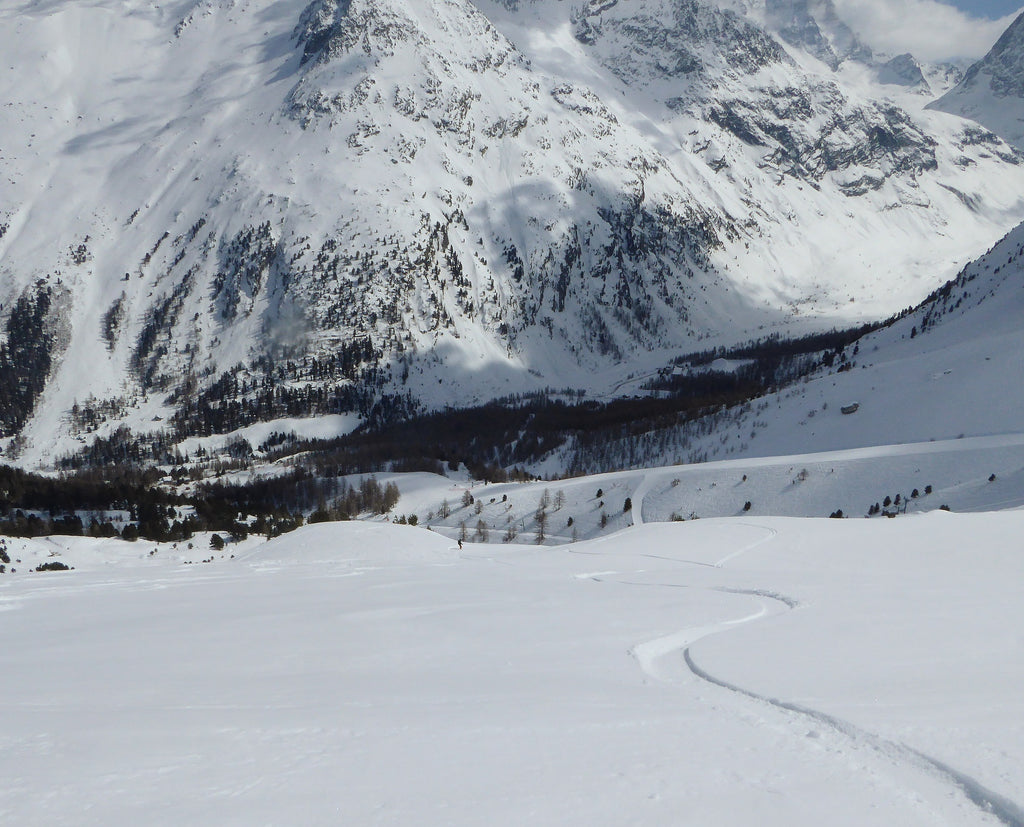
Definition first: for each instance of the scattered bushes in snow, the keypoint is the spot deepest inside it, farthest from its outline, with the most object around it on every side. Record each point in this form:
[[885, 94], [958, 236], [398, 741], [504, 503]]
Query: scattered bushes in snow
[[53, 565]]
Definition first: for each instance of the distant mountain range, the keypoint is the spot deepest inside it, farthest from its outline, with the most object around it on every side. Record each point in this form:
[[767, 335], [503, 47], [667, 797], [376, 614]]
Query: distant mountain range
[[228, 211]]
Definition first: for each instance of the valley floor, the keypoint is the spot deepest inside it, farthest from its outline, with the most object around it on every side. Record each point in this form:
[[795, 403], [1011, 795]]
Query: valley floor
[[728, 671]]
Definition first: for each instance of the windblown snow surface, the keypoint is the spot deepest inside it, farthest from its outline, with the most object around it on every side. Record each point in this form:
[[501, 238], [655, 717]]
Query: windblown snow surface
[[751, 670]]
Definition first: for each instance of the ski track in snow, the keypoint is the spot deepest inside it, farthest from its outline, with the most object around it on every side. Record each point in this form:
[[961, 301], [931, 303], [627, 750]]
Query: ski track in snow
[[732, 555], [737, 714], [1007, 811], [772, 533], [649, 654], [638, 499], [654, 655], [638, 519]]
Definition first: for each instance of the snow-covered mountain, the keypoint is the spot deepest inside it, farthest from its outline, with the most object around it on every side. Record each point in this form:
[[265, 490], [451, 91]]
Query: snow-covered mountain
[[992, 90], [231, 210], [949, 370]]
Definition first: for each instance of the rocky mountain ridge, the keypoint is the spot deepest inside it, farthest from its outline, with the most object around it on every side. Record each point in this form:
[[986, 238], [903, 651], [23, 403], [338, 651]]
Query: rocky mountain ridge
[[992, 90], [249, 210]]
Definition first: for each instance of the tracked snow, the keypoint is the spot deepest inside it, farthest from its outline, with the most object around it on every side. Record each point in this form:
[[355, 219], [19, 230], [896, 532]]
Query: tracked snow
[[722, 671]]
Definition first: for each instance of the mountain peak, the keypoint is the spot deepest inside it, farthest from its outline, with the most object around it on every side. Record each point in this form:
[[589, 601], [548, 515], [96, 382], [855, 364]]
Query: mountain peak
[[797, 26], [992, 90], [1003, 65], [904, 70], [389, 206]]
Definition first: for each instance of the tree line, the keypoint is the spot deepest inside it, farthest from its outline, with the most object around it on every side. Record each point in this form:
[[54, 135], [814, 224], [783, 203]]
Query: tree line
[[136, 502]]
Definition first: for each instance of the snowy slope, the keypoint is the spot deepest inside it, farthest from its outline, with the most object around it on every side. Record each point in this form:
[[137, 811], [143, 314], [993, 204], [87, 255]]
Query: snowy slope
[[770, 671], [964, 475], [940, 411], [992, 90], [450, 200], [949, 369], [952, 368]]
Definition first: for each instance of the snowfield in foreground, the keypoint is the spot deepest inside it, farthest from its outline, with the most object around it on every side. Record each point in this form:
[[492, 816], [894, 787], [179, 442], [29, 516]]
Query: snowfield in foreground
[[756, 670]]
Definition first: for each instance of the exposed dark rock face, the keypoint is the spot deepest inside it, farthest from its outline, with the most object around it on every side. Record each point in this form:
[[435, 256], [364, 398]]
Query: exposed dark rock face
[[688, 37]]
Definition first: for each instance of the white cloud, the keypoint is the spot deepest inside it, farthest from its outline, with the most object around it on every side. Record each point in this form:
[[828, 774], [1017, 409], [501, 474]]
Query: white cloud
[[930, 30]]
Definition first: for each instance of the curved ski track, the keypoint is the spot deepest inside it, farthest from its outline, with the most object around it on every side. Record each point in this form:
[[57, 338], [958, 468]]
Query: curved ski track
[[649, 654], [1007, 811]]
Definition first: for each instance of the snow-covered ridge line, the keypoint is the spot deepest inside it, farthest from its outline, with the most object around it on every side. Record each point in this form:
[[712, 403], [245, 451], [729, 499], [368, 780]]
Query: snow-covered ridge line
[[992, 90], [454, 191]]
